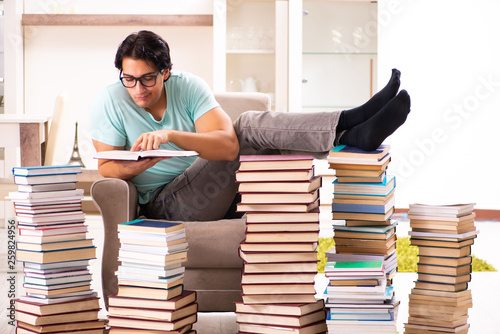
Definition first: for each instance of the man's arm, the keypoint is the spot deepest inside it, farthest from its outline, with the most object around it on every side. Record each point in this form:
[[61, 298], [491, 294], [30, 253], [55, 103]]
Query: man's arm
[[122, 169], [215, 138]]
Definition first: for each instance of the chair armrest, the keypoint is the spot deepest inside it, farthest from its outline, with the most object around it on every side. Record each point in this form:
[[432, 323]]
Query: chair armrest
[[117, 201]]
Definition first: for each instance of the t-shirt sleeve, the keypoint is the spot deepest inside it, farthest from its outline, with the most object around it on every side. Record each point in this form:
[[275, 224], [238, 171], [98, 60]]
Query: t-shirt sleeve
[[199, 97], [106, 121]]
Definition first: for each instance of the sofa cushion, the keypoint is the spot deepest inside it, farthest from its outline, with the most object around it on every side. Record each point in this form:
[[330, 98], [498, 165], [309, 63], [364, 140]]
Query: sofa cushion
[[214, 244]]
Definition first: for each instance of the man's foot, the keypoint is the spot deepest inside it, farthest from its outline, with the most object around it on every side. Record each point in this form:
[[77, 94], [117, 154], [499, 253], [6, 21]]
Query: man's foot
[[352, 117], [369, 135]]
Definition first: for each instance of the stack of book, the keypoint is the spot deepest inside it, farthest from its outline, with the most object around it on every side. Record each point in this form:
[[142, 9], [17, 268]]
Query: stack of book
[[280, 196], [53, 245], [440, 300], [151, 293], [363, 263]]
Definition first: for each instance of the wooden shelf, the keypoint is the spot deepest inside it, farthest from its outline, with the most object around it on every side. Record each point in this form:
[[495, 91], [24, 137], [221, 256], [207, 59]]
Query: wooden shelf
[[115, 20]]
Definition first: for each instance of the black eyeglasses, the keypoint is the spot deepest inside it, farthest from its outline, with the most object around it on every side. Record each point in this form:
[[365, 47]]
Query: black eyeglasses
[[147, 80]]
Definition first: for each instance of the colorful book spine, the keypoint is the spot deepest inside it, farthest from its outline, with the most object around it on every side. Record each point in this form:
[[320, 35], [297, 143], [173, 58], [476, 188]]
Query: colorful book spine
[[357, 293]]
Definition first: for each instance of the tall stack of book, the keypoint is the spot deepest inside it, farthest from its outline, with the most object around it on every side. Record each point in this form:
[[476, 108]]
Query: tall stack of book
[[361, 267], [280, 196], [151, 293], [440, 300], [53, 245]]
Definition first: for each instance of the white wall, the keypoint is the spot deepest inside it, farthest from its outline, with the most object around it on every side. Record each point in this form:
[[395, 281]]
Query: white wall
[[449, 56], [76, 61]]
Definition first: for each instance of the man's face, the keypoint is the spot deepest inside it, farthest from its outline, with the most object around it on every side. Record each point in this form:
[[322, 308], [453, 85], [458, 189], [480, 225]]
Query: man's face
[[144, 97]]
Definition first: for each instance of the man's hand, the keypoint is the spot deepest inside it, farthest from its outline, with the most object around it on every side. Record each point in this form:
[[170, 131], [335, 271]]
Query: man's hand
[[151, 140], [122, 169], [133, 168]]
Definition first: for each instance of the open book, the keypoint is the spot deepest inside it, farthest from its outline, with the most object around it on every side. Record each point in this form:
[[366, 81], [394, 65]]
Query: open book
[[129, 155]]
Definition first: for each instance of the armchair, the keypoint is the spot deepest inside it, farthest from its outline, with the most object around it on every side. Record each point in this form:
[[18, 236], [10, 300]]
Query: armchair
[[213, 267]]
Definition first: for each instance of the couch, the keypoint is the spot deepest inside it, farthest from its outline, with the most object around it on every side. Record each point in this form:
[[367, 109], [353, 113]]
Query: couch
[[213, 267]]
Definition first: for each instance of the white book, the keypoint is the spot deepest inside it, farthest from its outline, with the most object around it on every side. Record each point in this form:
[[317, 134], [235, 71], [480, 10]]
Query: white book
[[44, 179], [44, 300], [50, 271], [163, 280], [55, 286], [46, 187], [56, 274], [65, 264], [138, 272], [451, 210], [51, 217], [442, 235], [135, 235], [155, 249], [57, 280], [47, 170], [45, 194]]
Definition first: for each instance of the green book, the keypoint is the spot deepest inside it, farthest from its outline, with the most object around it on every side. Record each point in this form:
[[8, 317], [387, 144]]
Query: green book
[[355, 266]]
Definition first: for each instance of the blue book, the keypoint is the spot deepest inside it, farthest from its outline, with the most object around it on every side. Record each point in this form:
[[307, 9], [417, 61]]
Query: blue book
[[47, 170], [383, 188], [151, 226], [364, 208], [344, 151]]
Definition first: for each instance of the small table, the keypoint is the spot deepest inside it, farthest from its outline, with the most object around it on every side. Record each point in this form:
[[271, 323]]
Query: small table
[[29, 134]]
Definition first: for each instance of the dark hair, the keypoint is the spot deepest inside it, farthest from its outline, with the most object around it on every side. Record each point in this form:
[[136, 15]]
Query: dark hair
[[144, 45]]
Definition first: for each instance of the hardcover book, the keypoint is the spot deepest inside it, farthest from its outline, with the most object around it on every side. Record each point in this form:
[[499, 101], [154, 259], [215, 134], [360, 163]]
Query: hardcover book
[[275, 162], [148, 225]]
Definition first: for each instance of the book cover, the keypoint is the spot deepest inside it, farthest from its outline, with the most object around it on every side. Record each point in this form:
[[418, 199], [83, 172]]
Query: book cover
[[45, 194], [355, 152], [74, 326], [280, 309], [187, 297], [264, 217], [47, 170], [148, 225], [46, 309], [46, 187], [355, 266], [44, 179], [451, 210], [86, 253], [366, 161], [39, 320], [281, 320], [129, 155], [146, 325], [298, 207], [364, 208], [382, 188], [319, 327], [365, 229], [280, 175], [257, 257], [270, 278], [279, 198], [279, 299], [359, 165], [150, 293], [291, 267], [283, 186], [153, 314], [279, 288], [275, 162]]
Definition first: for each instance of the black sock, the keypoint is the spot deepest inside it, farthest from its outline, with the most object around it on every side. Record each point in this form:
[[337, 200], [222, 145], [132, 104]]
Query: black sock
[[352, 117], [369, 135]]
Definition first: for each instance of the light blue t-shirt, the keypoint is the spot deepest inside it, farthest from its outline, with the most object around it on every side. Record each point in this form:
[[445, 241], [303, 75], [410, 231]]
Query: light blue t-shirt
[[116, 120]]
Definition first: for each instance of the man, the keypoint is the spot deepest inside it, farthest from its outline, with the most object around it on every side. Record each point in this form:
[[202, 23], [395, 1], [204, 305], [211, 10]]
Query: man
[[155, 107]]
